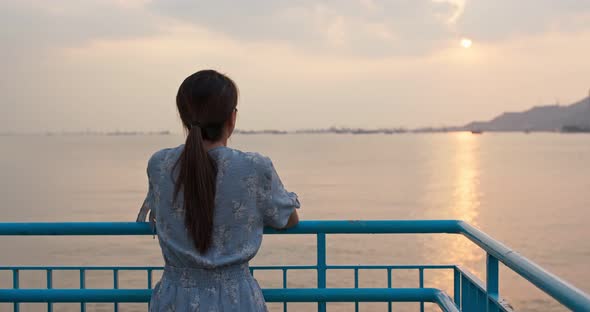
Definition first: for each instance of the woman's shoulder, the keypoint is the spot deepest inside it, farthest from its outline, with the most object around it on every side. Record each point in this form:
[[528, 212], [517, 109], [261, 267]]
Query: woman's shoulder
[[162, 156], [257, 160]]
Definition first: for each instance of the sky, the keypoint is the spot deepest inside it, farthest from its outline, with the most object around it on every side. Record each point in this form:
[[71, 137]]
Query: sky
[[116, 65]]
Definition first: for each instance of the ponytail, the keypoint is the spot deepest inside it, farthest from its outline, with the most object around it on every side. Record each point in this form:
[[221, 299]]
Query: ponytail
[[205, 100], [197, 177]]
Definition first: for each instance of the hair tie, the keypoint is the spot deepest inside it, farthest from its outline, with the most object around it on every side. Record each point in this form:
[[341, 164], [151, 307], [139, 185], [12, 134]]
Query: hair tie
[[195, 124]]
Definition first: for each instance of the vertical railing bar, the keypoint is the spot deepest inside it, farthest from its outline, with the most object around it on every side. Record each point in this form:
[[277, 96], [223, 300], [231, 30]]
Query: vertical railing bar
[[492, 276], [457, 287], [389, 305], [321, 266], [284, 286], [49, 278], [116, 286], [15, 285], [149, 278], [421, 277], [356, 285], [149, 282], [82, 286], [476, 299], [464, 293], [469, 297], [472, 296]]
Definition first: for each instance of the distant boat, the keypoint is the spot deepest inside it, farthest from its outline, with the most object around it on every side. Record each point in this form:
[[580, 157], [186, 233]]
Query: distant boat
[[476, 131]]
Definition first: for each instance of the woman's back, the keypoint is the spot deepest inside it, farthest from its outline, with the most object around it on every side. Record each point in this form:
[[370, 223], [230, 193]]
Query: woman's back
[[245, 201], [248, 196]]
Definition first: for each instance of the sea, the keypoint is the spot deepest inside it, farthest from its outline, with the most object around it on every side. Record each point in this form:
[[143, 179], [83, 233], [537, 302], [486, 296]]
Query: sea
[[529, 191]]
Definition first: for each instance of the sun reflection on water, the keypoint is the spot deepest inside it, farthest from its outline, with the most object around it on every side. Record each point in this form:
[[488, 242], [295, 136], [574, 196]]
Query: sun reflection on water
[[463, 204]]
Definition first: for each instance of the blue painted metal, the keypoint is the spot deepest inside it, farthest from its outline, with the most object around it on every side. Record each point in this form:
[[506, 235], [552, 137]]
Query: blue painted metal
[[284, 286], [271, 295], [321, 266], [457, 287], [49, 278], [470, 293], [555, 287], [421, 283], [492, 282], [304, 227], [15, 285], [356, 285], [82, 286], [116, 286], [149, 278], [389, 307]]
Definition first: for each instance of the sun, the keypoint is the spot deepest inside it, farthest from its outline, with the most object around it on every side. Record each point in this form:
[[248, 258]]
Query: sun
[[466, 43]]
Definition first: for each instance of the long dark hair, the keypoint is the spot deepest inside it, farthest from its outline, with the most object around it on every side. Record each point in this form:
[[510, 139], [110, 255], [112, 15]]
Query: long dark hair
[[205, 101]]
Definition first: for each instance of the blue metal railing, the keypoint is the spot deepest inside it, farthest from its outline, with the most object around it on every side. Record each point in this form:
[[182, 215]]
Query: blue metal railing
[[470, 294]]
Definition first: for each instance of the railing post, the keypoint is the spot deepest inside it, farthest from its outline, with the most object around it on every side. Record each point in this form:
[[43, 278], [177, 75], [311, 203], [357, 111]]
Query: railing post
[[49, 286], [356, 285], [15, 280], [321, 264], [389, 306], [492, 282], [284, 287], [82, 286], [116, 286], [457, 287], [149, 282], [421, 277]]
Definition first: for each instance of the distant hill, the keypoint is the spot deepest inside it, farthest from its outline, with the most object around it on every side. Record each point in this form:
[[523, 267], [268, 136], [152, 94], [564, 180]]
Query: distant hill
[[540, 118]]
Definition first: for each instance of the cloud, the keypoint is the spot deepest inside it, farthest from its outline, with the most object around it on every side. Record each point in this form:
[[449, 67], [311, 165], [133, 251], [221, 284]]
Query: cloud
[[503, 19], [457, 11], [365, 28], [39, 24], [369, 28]]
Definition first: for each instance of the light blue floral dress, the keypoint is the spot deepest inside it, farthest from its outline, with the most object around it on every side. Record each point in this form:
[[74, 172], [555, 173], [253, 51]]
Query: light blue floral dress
[[249, 195]]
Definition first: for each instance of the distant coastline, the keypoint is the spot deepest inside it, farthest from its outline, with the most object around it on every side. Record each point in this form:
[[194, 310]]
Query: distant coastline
[[574, 118], [339, 131]]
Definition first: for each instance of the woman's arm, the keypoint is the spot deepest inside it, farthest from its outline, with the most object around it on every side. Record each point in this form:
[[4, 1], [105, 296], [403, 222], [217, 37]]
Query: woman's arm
[[280, 206]]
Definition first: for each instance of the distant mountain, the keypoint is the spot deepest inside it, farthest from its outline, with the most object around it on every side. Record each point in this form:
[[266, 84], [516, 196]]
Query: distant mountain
[[540, 118]]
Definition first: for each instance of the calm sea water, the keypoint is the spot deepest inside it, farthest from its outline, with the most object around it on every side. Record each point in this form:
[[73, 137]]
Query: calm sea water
[[529, 191]]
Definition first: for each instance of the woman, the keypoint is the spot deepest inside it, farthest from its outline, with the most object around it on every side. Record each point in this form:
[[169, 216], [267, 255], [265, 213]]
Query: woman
[[209, 204]]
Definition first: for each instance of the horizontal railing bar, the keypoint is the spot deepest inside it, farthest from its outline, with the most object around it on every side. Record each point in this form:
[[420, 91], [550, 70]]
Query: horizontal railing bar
[[304, 227], [282, 267], [270, 295], [371, 227], [562, 291], [77, 268], [393, 267], [75, 295], [266, 267], [74, 228]]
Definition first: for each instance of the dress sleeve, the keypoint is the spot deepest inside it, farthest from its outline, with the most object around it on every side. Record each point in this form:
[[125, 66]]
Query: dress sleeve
[[149, 201], [278, 203]]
